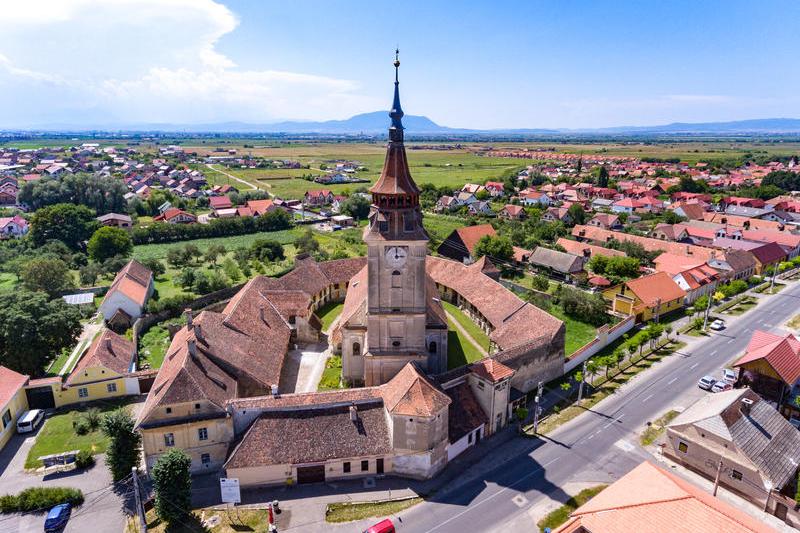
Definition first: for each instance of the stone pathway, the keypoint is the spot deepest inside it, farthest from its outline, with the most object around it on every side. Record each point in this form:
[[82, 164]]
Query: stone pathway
[[466, 334]]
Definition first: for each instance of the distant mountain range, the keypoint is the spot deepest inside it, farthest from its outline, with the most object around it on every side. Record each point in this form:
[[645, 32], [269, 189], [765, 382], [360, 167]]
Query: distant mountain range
[[376, 124]]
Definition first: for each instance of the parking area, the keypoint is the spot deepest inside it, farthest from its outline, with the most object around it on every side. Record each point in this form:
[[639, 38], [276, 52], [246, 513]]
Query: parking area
[[103, 509]]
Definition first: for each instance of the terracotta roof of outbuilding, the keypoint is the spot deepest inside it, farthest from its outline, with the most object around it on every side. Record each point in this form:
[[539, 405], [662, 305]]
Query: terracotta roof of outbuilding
[[409, 393], [464, 414], [579, 248], [651, 245], [491, 370], [781, 352], [108, 350], [655, 287], [649, 499], [470, 235], [313, 435], [133, 281]]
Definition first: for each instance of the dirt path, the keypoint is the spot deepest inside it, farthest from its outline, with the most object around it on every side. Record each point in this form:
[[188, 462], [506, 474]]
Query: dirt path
[[231, 176], [464, 332]]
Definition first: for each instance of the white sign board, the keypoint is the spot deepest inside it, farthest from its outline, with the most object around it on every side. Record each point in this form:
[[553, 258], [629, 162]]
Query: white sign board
[[229, 488]]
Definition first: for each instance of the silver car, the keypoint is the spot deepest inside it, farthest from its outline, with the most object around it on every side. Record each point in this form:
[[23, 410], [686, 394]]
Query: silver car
[[706, 382]]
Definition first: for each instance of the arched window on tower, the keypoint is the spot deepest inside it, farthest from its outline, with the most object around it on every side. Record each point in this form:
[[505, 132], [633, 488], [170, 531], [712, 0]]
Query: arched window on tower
[[356, 349], [397, 281], [432, 347]]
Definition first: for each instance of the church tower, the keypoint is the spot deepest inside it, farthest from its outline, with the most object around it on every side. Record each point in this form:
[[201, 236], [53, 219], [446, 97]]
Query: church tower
[[397, 246]]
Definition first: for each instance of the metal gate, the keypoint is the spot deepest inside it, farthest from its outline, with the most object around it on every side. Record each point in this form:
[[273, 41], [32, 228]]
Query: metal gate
[[311, 474]]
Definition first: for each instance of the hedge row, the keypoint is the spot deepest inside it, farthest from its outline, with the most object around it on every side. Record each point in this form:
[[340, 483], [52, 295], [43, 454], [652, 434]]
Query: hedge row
[[39, 499], [161, 232]]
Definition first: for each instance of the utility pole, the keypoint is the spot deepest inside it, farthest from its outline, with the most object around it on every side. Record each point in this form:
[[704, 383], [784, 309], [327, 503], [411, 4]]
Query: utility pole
[[716, 479], [708, 310], [774, 273], [658, 309], [138, 498], [583, 380], [536, 408]]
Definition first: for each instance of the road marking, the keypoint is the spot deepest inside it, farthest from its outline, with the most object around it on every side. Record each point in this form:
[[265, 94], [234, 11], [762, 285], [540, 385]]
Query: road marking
[[468, 509], [713, 353], [625, 446], [647, 398], [520, 500], [606, 426], [730, 341], [693, 366], [673, 380], [590, 437]]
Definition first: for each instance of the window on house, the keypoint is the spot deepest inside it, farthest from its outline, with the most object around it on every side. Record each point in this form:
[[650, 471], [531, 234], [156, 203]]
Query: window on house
[[83, 392], [6, 418], [683, 447], [168, 410], [111, 387], [346, 467], [202, 434], [197, 406], [397, 281], [469, 438], [169, 439], [205, 459], [365, 465], [735, 474], [481, 385], [356, 349]]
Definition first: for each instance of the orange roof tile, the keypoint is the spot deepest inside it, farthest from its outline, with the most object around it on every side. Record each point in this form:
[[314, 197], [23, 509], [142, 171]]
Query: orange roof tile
[[10, 383], [658, 286]]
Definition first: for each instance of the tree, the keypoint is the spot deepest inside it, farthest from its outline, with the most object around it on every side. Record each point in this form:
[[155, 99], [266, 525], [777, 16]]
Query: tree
[[47, 274], [602, 176], [496, 247], [107, 242], [783, 179], [306, 243], [231, 270], [670, 217], [356, 206], [155, 266], [267, 250], [33, 329], [172, 484], [589, 308], [88, 274], [104, 194], [213, 252], [68, 223], [540, 283], [577, 213], [123, 449]]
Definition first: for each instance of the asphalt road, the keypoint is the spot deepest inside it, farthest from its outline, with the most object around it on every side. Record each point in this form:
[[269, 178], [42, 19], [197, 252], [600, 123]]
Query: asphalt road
[[598, 446]]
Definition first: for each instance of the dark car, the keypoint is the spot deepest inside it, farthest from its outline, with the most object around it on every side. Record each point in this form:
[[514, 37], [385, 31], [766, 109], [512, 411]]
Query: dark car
[[57, 517]]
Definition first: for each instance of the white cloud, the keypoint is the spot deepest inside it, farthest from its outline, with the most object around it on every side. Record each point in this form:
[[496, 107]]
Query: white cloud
[[147, 61]]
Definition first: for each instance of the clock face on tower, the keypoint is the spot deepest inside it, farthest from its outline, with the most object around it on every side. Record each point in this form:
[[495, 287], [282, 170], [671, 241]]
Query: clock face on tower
[[396, 256]]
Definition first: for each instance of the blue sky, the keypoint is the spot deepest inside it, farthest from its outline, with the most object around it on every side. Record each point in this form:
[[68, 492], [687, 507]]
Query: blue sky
[[565, 63]]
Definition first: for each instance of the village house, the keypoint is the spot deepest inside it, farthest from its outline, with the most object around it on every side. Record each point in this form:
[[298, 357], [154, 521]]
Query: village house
[[173, 215], [480, 208], [460, 244], [13, 227], [646, 298], [127, 297], [13, 402], [116, 220], [513, 212], [650, 498], [218, 203], [557, 214], [585, 250], [555, 263], [737, 437], [535, 198], [495, 188], [318, 198], [444, 204], [605, 221]]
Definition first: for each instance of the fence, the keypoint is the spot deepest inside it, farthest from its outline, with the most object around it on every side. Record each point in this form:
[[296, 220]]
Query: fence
[[605, 336]]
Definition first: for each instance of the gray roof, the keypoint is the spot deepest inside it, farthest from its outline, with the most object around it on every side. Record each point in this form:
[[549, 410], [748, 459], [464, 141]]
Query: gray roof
[[555, 260], [79, 299], [765, 437], [751, 212]]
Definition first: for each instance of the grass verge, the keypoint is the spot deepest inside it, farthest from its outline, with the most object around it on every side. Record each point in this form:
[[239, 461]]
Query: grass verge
[[58, 436], [794, 323], [578, 333], [560, 515], [466, 322], [328, 313], [650, 434], [332, 375], [459, 350], [253, 520], [348, 512]]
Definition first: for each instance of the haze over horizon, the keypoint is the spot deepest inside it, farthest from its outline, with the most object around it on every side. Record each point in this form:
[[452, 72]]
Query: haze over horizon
[[573, 64]]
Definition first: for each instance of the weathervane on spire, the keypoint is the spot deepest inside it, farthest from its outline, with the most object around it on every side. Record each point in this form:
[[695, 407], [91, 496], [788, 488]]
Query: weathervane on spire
[[396, 129]]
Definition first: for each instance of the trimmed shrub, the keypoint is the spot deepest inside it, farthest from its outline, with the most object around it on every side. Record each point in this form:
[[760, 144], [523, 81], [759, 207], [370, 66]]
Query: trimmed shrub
[[81, 425], [84, 459], [39, 499]]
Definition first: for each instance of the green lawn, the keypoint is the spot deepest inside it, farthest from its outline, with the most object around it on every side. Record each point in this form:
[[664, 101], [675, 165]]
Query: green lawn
[[332, 375], [328, 313], [459, 350], [57, 434], [560, 515], [159, 251], [58, 363], [153, 346], [578, 333], [467, 323], [650, 434], [349, 511]]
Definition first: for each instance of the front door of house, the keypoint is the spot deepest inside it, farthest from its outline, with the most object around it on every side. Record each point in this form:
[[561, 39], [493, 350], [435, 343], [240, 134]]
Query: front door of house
[[379, 466], [780, 511]]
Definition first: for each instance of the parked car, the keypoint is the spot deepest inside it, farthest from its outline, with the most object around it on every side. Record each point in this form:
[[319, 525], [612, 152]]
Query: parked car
[[717, 325], [706, 382], [728, 376], [30, 420], [57, 517], [384, 526], [721, 386]]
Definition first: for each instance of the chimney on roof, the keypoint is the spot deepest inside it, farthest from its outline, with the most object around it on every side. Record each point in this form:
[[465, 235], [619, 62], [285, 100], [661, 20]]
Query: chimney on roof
[[274, 390], [261, 314], [108, 345], [189, 318], [192, 348], [353, 413], [745, 406]]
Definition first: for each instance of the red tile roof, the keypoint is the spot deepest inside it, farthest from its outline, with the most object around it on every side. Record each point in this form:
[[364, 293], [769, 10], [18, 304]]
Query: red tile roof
[[579, 248], [10, 383], [133, 281], [655, 287], [108, 350], [470, 235], [491, 370], [649, 499], [409, 393], [781, 352]]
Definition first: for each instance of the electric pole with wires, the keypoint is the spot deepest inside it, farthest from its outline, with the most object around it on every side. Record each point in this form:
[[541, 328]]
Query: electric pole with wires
[[138, 500]]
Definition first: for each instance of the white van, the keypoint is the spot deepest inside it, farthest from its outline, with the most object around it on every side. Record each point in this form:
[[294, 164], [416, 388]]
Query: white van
[[29, 420]]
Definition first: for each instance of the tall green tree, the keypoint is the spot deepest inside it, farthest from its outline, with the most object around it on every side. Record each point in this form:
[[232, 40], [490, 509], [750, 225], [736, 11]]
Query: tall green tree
[[68, 223], [124, 441], [108, 242], [577, 214], [602, 176], [173, 485], [33, 329], [47, 274], [496, 247], [356, 206]]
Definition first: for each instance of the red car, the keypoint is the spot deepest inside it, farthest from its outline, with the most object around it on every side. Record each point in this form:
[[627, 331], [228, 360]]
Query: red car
[[384, 526]]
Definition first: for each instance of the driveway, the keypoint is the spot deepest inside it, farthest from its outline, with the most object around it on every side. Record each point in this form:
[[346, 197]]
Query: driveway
[[102, 510]]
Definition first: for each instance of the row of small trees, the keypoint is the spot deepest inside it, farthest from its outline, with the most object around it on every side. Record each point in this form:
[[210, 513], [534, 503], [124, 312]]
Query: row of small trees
[[647, 336]]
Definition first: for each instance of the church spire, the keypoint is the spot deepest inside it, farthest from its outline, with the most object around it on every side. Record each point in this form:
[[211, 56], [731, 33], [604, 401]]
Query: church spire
[[396, 129]]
